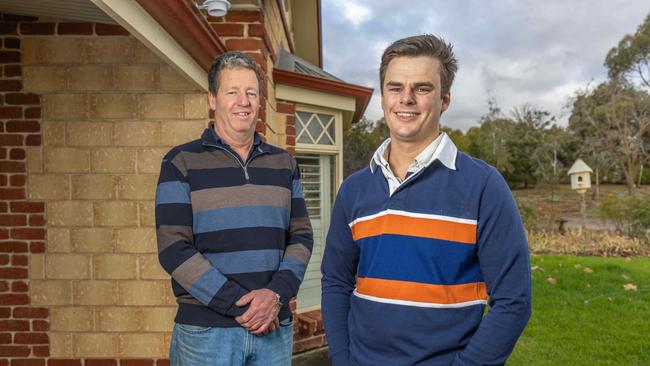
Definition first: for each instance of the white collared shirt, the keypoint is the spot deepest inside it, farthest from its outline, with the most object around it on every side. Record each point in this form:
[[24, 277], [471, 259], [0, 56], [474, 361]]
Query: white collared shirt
[[442, 148]]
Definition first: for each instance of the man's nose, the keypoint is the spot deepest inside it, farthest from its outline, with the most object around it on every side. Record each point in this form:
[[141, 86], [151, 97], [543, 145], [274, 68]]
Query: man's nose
[[243, 100], [406, 96]]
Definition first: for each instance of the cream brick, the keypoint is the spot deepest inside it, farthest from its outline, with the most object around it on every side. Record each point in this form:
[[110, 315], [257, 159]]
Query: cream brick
[[51, 292], [113, 106], [158, 319], [70, 213], [170, 79], [112, 160], [109, 50], [119, 213], [115, 266], [61, 345], [67, 160], [71, 319], [34, 160], [143, 55], [147, 212], [53, 50], [95, 293], [67, 266], [196, 106], [90, 77], [161, 106], [178, 132], [137, 134], [170, 298], [149, 160], [53, 134], [58, 240], [30, 48], [92, 240], [94, 186], [89, 134], [65, 106], [43, 78], [142, 293], [95, 345], [136, 77], [141, 186], [37, 266], [119, 319], [142, 345], [150, 268], [136, 240], [48, 186]]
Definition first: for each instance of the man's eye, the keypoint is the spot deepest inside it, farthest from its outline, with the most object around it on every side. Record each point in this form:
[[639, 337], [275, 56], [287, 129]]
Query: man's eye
[[422, 90], [394, 90], [231, 92], [251, 94]]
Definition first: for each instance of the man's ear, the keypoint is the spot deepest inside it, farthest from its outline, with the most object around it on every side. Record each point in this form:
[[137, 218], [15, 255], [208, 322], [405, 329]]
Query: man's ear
[[212, 100], [446, 101]]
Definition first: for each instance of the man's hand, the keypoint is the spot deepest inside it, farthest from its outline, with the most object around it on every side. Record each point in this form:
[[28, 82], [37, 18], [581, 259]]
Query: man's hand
[[262, 313]]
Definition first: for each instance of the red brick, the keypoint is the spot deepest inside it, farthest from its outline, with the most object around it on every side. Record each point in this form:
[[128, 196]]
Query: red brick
[[41, 351], [12, 167], [28, 362], [33, 112], [13, 70], [291, 140], [37, 247], [162, 363], [13, 220], [17, 154], [19, 260], [244, 16], [136, 362], [19, 286], [291, 120], [4, 362], [53, 362], [28, 207], [40, 326], [11, 140], [9, 57], [31, 338], [5, 312], [256, 30], [244, 44], [28, 233], [101, 362], [290, 130], [5, 338], [12, 43], [37, 220], [8, 28], [4, 234], [13, 272], [287, 108], [3, 180], [10, 112], [110, 30], [14, 351], [33, 140], [22, 99], [305, 344], [13, 247], [228, 29], [14, 325], [291, 150], [25, 125], [3, 153], [76, 28], [13, 299], [37, 28], [10, 85], [31, 312], [259, 59], [4, 207], [4, 260], [17, 180]]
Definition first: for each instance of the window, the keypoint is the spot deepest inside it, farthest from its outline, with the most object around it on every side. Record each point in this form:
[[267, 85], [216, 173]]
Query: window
[[315, 128]]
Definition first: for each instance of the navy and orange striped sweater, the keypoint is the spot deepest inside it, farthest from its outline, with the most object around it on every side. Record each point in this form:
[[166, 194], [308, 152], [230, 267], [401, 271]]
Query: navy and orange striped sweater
[[407, 276], [227, 226]]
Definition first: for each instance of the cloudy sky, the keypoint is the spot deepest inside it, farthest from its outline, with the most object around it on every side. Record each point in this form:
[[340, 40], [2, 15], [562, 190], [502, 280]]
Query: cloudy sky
[[517, 51]]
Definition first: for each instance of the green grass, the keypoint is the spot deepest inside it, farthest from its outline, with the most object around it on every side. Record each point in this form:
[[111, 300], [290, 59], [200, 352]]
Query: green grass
[[587, 318]]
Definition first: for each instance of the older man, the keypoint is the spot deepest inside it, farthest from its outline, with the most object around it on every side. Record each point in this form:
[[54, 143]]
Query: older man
[[233, 231], [424, 238]]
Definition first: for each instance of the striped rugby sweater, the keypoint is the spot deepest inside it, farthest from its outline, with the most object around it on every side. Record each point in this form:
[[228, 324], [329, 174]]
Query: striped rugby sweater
[[406, 277], [227, 226]]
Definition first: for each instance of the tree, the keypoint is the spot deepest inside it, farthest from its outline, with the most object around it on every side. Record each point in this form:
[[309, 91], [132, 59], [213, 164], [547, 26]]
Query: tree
[[359, 143], [631, 58]]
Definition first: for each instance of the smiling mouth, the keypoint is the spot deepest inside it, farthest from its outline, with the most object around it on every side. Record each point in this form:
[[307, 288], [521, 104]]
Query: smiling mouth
[[242, 114]]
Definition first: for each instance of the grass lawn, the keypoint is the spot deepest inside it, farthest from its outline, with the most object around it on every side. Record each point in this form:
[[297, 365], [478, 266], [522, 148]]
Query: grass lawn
[[587, 317]]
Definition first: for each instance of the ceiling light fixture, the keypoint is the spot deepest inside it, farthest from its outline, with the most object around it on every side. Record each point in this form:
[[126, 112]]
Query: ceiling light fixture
[[215, 8]]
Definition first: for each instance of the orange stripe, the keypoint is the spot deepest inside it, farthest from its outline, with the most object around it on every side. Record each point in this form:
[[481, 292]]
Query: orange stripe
[[415, 226], [421, 292]]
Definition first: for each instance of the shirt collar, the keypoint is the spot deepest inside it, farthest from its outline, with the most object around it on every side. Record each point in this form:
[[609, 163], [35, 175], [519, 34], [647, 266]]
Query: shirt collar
[[211, 137], [442, 148]]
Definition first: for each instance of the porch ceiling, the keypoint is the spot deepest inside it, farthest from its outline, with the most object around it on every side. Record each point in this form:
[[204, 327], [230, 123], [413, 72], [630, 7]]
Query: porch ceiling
[[79, 10]]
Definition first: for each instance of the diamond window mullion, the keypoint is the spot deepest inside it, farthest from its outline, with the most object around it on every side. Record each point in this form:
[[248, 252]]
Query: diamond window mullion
[[315, 128]]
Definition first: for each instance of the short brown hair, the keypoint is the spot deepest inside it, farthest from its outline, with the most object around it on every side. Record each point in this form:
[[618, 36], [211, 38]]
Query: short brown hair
[[422, 45], [232, 59]]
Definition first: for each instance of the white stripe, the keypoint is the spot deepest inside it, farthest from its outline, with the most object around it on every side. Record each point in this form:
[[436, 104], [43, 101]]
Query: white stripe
[[420, 304], [413, 214]]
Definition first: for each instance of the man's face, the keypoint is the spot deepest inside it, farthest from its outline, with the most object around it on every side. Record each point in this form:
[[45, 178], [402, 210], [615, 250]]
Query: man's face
[[237, 101], [412, 100]]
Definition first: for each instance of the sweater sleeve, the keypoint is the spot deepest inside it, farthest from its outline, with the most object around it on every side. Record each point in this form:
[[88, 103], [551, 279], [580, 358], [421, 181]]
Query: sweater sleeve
[[300, 241], [505, 264], [339, 268], [176, 250]]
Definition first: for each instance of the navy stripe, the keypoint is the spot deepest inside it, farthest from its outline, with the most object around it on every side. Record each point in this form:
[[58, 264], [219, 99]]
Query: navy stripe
[[215, 178], [174, 255], [430, 261], [298, 208], [271, 177], [174, 214], [240, 239]]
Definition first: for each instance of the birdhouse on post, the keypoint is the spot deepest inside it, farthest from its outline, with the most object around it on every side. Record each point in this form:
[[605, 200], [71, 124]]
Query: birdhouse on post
[[580, 174]]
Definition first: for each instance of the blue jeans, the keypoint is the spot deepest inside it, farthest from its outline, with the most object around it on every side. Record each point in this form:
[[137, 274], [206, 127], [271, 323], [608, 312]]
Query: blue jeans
[[192, 345]]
